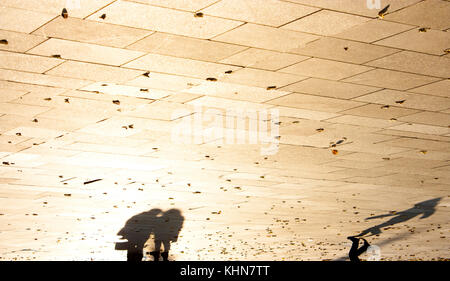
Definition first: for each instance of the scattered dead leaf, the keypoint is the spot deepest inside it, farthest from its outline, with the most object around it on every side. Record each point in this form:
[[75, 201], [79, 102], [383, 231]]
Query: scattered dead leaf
[[383, 12], [91, 181], [64, 13]]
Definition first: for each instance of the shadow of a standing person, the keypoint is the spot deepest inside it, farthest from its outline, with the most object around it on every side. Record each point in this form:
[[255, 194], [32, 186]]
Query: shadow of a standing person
[[424, 208], [152, 229], [166, 233]]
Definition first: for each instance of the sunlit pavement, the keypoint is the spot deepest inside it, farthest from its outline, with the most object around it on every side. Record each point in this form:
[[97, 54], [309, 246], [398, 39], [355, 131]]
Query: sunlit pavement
[[276, 128]]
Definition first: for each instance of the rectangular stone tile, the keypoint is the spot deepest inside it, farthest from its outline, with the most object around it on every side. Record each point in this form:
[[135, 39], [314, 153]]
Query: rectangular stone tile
[[21, 109], [113, 127], [265, 37], [161, 110], [413, 135], [102, 148], [325, 23], [35, 132], [421, 144], [363, 146], [434, 17], [390, 79], [124, 90], [406, 100], [343, 50], [429, 155], [22, 20], [358, 168], [186, 5], [10, 94], [125, 101], [32, 88], [439, 88], [362, 156], [373, 30], [413, 163], [68, 124], [431, 42], [301, 128], [42, 79], [378, 111], [93, 159], [326, 69], [266, 12], [416, 63], [261, 78], [165, 82], [263, 59], [65, 102], [424, 129], [164, 20], [85, 52], [185, 47], [303, 113], [314, 103], [19, 42], [29, 63], [76, 8], [91, 32], [228, 104], [15, 139], [179, 66], [430, 118], [181, 97], [94, 72], [92, 138], [363, 121], [327, 88], [357, 7], [235, 91]]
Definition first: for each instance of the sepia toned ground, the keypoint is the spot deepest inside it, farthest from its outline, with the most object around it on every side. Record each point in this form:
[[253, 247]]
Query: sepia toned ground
[[263, 129]]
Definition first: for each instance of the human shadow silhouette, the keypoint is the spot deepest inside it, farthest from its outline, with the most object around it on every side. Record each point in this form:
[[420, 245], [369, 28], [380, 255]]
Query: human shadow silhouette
[[153, 228], [424, 208]]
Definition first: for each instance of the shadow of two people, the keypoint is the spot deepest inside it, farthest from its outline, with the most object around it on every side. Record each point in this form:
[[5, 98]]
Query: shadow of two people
[[424, 208], [152, 229]]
